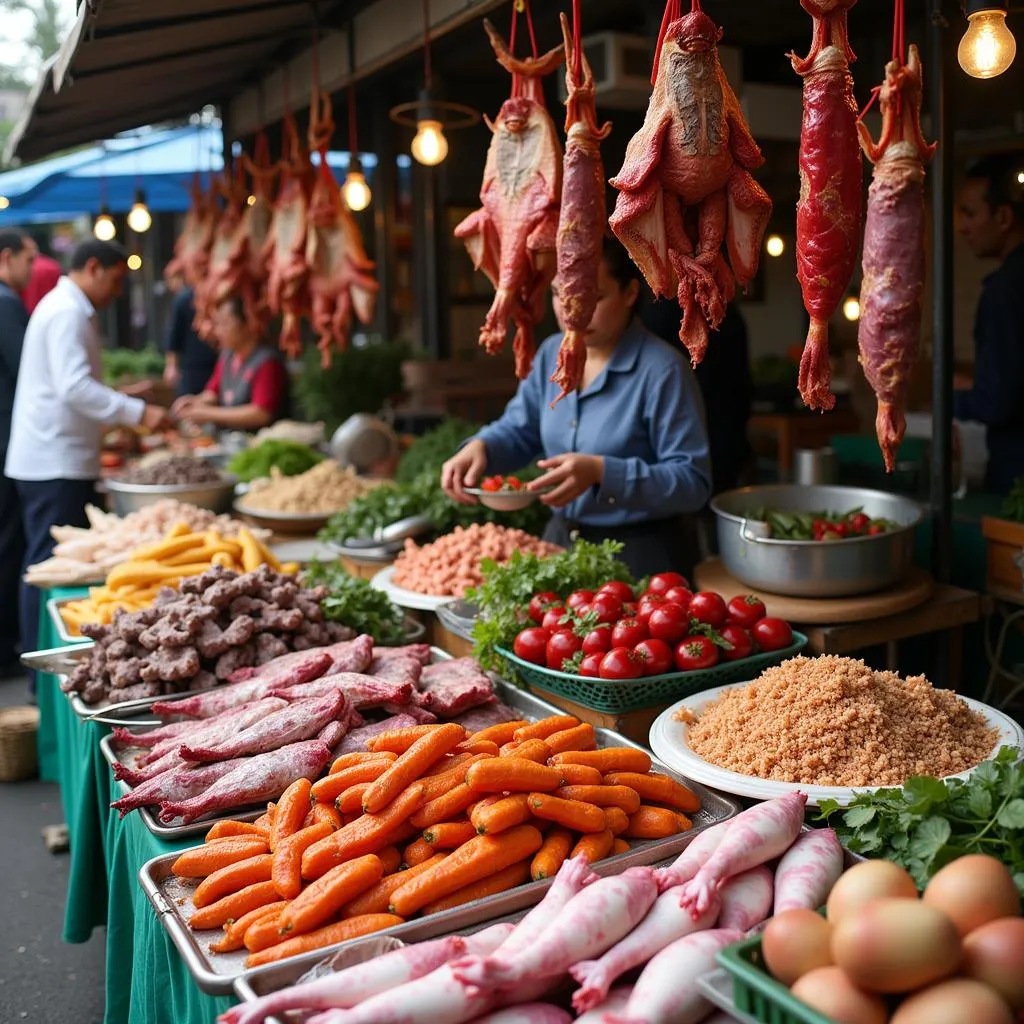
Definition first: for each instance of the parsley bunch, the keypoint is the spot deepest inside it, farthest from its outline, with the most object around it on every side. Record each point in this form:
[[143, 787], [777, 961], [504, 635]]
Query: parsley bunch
[[355, 603], [930, 822]]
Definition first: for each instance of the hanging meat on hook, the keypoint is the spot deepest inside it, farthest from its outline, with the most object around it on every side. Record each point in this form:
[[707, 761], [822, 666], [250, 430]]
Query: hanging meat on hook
[[893, 264], [583, 215], [512, 237], [828, 213], [192, 247], [685, 186]]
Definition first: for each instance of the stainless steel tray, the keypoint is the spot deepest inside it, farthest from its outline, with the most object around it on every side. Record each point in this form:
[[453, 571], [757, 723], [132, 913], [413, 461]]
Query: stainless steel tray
[[53, 607], [57, 660], [217, 972]]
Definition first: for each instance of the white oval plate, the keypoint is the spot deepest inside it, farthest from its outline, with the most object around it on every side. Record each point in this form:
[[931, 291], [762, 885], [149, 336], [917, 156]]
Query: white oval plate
[[384, 580], [668, 740]]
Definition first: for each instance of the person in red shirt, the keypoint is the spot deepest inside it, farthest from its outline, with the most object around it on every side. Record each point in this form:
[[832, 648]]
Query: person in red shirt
[[249, 386], [46, 273]]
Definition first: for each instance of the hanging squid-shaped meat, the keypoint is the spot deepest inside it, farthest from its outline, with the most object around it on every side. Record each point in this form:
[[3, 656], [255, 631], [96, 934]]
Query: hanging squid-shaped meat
[[582, 218], [512, 237], [889, 333], [828, 213], [192, 247]]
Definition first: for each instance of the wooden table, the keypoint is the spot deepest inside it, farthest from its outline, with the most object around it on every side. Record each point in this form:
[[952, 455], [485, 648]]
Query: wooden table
[[794, 430]]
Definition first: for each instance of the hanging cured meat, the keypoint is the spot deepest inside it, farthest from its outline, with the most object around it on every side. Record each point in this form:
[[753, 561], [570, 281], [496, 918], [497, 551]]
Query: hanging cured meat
[[582, 217], [512, 237], [893, 265], [828, 213], [685, 186], [192, 247]]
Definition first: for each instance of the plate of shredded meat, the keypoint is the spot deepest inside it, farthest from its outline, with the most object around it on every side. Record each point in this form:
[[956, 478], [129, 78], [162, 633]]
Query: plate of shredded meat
[[830, 727]]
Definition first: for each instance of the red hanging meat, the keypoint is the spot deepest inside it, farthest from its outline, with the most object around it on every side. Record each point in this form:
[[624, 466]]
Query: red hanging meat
[[512, 237], [582, 218], [828, 213], [893, 264], [685, 185], [192, 247]]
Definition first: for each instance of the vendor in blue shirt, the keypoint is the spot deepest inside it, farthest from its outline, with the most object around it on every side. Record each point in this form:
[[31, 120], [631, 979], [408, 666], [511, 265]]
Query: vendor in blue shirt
[[626, 456]]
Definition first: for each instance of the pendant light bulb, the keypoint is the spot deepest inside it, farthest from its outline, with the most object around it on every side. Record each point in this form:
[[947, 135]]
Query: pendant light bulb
[[429, 147], [104, 228], [851, 308], [774, 245], [139, 218], [4, 202], [987, 48], [355, 191]]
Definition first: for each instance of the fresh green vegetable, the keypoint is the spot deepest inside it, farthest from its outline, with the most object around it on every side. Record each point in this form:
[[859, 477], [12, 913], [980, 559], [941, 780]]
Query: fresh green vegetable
[[506, 591], [930, 822], [433, 449], [1013, 506], [122, 363], [289, 457], [356, 603], [829, 526]]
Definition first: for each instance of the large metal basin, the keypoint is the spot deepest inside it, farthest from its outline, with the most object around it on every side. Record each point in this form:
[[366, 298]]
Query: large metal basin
[[126, 497], [809, 568]]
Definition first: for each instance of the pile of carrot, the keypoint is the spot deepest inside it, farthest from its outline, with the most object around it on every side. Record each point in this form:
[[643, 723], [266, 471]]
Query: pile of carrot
[[429, 818]]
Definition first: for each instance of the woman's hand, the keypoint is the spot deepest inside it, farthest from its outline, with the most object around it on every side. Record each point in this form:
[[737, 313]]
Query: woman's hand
[[180, 405], [196, 413], [570, 475], [462, 470]]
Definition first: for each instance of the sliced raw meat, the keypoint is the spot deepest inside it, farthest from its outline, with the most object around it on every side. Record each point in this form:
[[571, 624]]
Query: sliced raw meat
[[493, 712], [362, 691], [358, 738], [456, 686], [177, 784], [421, 652], [421, 714], [401, 669]]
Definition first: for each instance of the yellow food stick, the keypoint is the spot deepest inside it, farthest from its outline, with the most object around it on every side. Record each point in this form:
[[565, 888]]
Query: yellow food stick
[[251, 556], [268, 556], [224, 560], [178, 530], [167, 547], [289, 568], [143, 572]]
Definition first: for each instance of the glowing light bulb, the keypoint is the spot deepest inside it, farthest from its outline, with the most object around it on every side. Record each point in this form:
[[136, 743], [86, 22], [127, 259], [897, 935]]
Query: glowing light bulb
[[851, 308], [430, 146], [139, 218], [774, 245], [1020, 181], [356, 192], [250, 200], [104, 228], [988, 47], [4, 202], [135, 262]]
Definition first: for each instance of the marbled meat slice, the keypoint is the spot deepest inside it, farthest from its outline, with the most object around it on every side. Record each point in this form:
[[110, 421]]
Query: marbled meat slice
[[494, 712], [357, 739], [456, 686], [177, 784], [362, 690]]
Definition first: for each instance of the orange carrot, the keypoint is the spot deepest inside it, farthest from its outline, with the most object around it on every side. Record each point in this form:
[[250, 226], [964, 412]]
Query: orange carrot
[[545, 727], [610, 759], [656, 823], [574, 814], [446, 764], [227, 829], [360, 757], [472, 746], [509, 749], [657, 789], [549, 858], [417, 852], [376, 899], [201, 861], [500, 881], [411, 765], [286, 870], [477, 859], [595, 846], [604, 796], [265, 822], [234, 931], [528, 750], [441, 808], [616, 820], [511, 775], [580, 775], [620, 846], [501, 815], [291, 809], [232, 878], [367, 834], [234, 906], [339, 931], [351, 801], [308, 819], [579, 737], [447, 835], [319, 902], [501, 733], [330, 787], [404, 831], [391, 858], [325, 813], [398, 741], [437, 785], [264, 932]]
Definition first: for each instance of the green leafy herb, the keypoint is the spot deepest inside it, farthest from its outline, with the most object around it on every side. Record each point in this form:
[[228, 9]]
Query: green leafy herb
[[120, 364], [289, 457], [1013, 506], [930, 822], [354, 602], [433, 449]]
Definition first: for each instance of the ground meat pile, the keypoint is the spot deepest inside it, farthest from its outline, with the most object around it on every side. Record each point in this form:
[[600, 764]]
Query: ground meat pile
[[176, 469], [220, 621], [833, 721]]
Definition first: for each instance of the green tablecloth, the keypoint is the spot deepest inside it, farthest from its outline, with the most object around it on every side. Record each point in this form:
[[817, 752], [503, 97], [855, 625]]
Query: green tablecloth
[[147, 982]]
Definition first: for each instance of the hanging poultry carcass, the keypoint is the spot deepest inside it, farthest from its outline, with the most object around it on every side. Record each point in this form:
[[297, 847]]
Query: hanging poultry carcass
[[512, 237], [893, 263], [582, 216], [192, 247], [685, 186]]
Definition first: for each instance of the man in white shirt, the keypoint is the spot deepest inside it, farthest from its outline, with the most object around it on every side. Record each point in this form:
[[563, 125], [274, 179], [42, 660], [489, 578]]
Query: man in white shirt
[[61, 408]]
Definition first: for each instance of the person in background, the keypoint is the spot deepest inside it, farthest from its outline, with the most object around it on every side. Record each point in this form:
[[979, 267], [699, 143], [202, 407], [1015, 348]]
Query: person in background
[[626, 455], [190, 361], [991, 221], [61, 408], [46, 272], [249, 386], [17, 256]]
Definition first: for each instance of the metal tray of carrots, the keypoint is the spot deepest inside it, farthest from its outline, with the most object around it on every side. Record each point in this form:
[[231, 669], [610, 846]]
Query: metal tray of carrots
[[215, 973]]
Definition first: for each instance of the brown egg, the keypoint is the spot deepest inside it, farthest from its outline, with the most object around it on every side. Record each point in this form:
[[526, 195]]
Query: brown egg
[[872, 880], [958, 1001], [971, 891], [795, 942], [994, 954], [831, 992]]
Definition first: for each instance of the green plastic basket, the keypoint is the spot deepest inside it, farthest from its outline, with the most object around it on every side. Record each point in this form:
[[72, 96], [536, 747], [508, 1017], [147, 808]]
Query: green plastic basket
[[757, 993], [614, 697]]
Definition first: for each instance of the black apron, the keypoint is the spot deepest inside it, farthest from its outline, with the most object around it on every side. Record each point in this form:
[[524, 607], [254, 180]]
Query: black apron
[[236, 384]]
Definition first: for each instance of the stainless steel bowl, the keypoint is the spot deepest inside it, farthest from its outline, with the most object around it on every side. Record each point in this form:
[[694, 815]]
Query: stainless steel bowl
[[809, 568], [128, 497]]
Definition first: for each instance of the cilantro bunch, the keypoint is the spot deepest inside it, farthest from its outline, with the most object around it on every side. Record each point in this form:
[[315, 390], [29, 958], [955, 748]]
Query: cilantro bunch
[[352, 601], [930, 822]]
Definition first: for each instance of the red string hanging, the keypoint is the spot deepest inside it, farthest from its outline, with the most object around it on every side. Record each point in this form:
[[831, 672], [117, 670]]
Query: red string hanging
[[524, 7], [577, 46], [672, 13], [870, 103], [899, 54]]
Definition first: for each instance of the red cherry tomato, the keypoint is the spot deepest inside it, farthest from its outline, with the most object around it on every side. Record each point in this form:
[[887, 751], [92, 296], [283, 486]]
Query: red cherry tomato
[[709, 607], [562, 645], [841, 528], [628, 633], [531, 645], [579, 599], [621, 663], [513, 483], [669, 623], [665, 581], [539, 604], [623, 591], [656, 655], [859, 522], [629, 609], [552, 620], [696, 652], [598, 641], [607, 607], [647, 604], [772, 634], [681, 596], [742, 645], [745, 610], [590, 666], [875, 529], [491, 483]]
